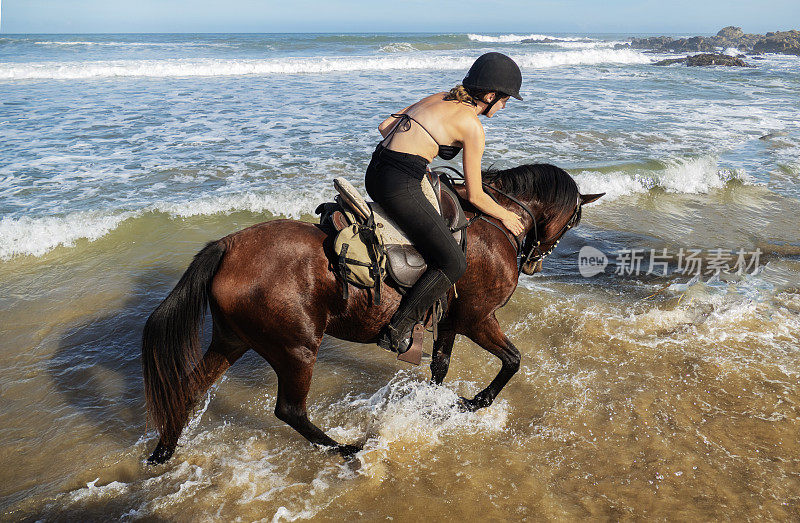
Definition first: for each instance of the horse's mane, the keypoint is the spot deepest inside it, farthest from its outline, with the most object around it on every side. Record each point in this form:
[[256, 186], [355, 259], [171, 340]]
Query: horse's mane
[[549, 186]]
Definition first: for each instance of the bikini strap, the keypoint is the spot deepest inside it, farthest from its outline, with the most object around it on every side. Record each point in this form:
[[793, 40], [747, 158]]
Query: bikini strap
[[405, 117]]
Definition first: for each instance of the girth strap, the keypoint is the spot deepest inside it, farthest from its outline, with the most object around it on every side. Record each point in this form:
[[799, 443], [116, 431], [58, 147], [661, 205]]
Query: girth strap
[[343, 269]]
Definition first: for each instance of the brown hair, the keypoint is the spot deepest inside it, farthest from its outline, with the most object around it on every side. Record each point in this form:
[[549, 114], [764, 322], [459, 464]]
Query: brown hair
[[461, 94]]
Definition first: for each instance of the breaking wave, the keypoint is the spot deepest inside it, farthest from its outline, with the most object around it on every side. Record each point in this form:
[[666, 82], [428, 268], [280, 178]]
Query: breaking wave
[[38, 236], [397, 47], [693, 175], [238, 67], [514, 38]]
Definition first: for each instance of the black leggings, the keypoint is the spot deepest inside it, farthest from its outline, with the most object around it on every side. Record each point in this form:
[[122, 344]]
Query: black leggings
[[394, 181]]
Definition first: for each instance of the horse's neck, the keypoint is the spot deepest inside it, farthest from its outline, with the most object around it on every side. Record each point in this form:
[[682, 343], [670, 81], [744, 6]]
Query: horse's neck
[[461, 190]]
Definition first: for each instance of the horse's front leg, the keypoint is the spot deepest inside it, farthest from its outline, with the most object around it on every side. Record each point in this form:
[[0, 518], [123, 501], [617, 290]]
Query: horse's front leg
[[440, 361], [488, 335]]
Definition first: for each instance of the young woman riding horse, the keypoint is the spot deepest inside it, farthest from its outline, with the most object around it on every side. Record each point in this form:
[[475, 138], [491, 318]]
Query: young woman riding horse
[[441, 124], [271, 288]]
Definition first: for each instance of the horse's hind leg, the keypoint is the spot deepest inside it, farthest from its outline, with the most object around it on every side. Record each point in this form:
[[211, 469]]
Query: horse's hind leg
[[294, 380], [221, 354]]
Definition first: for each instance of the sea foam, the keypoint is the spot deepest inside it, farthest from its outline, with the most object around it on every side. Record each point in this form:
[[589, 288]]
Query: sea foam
[[319, 65], [36, 236], [514, 38], [680, 175]]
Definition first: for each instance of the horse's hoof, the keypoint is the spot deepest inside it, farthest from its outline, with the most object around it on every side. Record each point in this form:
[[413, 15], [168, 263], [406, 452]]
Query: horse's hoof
[[465, 405], [349, 451], [161, 454]]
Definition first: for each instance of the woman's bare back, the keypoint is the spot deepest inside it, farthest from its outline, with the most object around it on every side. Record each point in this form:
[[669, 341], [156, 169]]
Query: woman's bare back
[[444, 120]]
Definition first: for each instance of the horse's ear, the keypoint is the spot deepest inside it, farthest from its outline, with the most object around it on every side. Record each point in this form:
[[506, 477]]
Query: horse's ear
[[589, 198]]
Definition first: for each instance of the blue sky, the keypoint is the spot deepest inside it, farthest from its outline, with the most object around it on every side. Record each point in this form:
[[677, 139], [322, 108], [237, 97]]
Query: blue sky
[[646, 16]]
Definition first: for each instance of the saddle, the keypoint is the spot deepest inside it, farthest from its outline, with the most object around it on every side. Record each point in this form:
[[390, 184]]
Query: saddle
[[404, 264]]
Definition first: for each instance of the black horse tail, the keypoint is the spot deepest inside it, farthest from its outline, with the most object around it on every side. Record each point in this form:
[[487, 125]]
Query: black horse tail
[[171, 345]]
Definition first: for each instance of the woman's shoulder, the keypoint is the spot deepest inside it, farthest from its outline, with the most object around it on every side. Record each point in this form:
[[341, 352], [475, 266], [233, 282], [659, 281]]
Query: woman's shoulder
[[452, 107], [431, 99], [457, 114]]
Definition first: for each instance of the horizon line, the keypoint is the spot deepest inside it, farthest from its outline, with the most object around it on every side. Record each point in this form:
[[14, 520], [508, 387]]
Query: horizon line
[[465, 31]]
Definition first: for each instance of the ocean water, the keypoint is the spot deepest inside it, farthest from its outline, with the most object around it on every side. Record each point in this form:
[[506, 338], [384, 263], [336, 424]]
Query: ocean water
[[641, 394]]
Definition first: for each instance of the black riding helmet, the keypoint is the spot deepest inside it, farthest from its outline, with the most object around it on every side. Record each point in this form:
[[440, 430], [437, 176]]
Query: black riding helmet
[[494, 72]]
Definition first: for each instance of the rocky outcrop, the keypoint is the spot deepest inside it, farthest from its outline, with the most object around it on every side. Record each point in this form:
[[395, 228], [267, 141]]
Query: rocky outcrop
[[734, 37], [786, 42], [731, 33], [705, 59], [715, 59], [671, 61]]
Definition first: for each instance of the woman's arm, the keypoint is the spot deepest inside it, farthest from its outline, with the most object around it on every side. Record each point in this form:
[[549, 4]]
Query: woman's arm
[[474, 144]]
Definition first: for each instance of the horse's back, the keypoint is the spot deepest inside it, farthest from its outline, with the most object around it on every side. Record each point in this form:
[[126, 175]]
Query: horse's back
[[276, 277]]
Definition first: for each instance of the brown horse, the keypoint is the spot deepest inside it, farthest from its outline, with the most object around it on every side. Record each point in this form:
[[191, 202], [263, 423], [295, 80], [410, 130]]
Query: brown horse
[[271, 288]]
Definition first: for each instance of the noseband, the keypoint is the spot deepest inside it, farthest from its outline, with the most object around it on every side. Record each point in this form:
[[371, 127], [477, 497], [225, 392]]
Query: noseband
[[534, 253]]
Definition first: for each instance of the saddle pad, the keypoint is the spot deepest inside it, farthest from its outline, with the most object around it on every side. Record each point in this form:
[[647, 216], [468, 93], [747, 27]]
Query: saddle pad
[[351, 197]]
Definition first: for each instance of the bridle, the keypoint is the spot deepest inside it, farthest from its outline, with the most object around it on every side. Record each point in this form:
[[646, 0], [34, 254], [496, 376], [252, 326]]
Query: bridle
[[534, 248], [534, 253]]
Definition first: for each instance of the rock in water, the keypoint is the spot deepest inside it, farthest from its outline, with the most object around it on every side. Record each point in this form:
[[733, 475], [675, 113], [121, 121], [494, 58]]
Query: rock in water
[[706, 59], [785, 42], [671, 61], [772, 135], [715, 59], [653, 42]]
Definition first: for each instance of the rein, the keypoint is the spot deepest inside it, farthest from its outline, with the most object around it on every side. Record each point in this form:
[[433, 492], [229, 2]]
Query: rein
[[534, 252]]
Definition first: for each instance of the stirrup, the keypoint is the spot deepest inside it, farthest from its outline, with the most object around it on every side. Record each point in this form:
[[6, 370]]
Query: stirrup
[[414, 353]]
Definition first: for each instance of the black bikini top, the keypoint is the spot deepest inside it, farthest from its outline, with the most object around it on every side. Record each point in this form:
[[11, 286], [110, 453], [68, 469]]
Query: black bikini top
[[446, 152]]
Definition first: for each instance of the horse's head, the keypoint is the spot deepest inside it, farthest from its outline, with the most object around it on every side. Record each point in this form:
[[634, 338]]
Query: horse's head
[[553, 198], [533, 263]]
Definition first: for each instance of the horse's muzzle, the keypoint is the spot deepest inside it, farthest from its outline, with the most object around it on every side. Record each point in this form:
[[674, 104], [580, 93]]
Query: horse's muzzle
[[532, 267]]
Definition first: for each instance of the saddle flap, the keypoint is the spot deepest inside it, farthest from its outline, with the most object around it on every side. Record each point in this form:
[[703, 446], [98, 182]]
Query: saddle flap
[[452, 211], [339, 220], [404, 264]]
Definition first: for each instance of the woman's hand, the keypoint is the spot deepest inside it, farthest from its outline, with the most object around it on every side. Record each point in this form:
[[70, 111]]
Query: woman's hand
[[513, 223]]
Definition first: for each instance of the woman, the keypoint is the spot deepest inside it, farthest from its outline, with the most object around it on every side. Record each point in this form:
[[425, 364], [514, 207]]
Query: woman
[[441, 124]]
